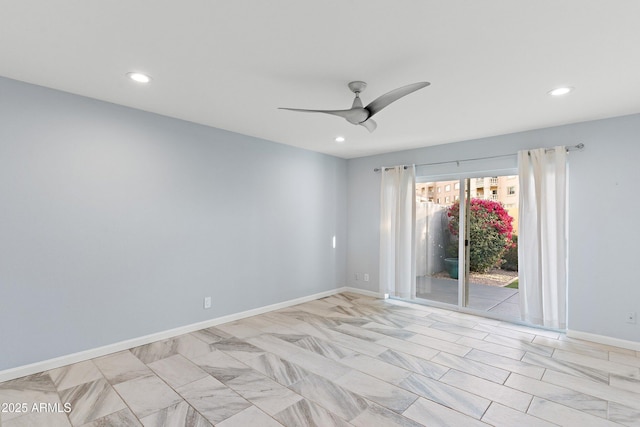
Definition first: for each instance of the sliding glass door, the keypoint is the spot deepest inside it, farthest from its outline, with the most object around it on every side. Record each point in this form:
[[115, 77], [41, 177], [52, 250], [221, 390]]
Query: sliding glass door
[[492, 256], [466, 251], [436, 253]]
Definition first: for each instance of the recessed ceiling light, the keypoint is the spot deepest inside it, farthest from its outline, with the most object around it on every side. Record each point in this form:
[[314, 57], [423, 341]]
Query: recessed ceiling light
[[139, 77], [560, 91], [339, 138]]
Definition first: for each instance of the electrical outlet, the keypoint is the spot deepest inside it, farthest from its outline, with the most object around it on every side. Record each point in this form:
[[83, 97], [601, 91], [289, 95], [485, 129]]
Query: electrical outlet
[[631, 317], [366, 277], [207, 302]]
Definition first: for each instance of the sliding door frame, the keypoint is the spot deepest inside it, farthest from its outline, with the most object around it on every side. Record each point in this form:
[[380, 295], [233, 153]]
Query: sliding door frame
[[464, 244]]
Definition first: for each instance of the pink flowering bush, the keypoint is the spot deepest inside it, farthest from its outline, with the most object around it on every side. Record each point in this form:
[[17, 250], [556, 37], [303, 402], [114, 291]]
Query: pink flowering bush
[[490, 232]]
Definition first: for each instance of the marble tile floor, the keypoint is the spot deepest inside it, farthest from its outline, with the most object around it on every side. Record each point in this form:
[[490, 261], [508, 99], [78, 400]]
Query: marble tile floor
[[344, 360]]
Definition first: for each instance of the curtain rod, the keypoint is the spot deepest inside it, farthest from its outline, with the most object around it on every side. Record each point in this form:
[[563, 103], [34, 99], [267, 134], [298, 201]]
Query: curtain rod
[[567, 147]]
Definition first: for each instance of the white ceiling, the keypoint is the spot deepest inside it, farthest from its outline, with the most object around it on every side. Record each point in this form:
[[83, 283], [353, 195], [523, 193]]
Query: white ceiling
[[230, 64]]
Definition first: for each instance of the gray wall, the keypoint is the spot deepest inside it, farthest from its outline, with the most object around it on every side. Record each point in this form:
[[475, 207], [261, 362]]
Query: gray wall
[[603, 214], [115, 223]]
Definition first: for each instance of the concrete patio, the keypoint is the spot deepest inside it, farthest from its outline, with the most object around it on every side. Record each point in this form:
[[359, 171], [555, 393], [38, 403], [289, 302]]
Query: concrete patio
[[494, 299]]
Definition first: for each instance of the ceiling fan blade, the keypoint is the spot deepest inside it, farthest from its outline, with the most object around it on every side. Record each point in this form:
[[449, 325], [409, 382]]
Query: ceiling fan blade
[[370, 125], [353, 115], [341, 113], [382, 101]]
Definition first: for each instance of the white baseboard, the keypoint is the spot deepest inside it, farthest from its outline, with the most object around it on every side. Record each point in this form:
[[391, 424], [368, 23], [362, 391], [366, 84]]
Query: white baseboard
[[363, 292], [68, 359], [603, 339]]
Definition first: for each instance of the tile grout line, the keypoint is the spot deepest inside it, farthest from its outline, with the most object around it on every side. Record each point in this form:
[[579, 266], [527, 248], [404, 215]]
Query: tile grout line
[[116, 391]]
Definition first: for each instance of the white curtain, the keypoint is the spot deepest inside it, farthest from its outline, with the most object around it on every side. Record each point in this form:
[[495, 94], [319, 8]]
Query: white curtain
[[542, 239], [397, 232]]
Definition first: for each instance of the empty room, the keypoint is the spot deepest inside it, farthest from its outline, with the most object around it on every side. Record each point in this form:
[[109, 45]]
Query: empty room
[[319, 213]]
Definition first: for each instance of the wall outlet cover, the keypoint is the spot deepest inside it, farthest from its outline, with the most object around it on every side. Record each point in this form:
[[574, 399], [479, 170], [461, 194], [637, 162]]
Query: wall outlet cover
[[207, 302]]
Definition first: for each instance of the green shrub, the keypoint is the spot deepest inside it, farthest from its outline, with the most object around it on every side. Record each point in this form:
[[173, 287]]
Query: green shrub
[[489, 232], [511, 256]]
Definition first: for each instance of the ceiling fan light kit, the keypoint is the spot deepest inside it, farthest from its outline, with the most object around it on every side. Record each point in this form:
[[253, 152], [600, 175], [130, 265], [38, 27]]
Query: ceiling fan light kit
[[360, 115]]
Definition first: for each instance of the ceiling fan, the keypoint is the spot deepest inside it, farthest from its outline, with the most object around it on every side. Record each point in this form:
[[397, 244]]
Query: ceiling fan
[[359, 115]]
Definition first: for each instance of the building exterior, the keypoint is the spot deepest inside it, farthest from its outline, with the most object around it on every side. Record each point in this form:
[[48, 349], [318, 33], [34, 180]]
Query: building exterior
[[503, 189]]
